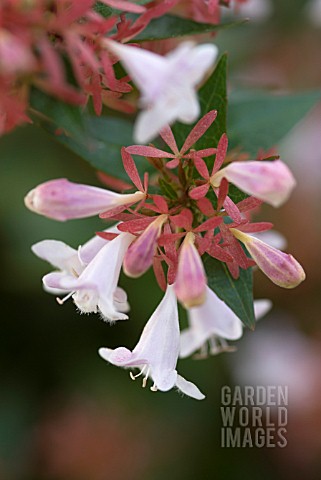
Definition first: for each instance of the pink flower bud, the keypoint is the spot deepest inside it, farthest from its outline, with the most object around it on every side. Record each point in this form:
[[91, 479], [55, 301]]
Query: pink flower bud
[[63, 200], [271, 182], [281, 268], [190, 283], [139, 256]]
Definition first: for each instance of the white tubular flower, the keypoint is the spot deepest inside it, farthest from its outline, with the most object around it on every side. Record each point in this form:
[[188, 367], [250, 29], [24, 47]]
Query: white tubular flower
[[156, 353], [167, 84], [214, 322], [95, 287]]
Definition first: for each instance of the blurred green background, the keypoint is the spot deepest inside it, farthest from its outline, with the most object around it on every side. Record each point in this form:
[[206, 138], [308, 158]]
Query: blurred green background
[[65, 414]]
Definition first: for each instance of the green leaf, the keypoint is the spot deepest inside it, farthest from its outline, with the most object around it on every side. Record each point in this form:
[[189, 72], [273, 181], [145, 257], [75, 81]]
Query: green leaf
[[212, 96], [106, 11], [98, 140], [171, 26], [260, 120], [237, 294]]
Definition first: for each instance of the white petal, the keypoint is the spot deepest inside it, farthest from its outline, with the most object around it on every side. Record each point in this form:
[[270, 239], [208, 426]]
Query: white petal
[[56, 282], [262, 307], [189, 388], [191, 340], [215, 317], [147, 69], [159, 342], [118, 356], [272, 238], [89, 250], [58, 254], [191, 62]]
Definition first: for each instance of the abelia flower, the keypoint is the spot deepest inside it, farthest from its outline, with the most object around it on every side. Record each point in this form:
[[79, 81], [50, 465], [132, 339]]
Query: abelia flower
[[63, 200], [212, 323], [167, 84], [190, 281], [156, 353], [71, 263], [281, 268], [269, 181], [140, 254], [95, 289]]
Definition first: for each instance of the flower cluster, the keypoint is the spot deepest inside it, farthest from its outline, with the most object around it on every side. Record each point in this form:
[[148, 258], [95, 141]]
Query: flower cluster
[[193, 217], [69, 49]]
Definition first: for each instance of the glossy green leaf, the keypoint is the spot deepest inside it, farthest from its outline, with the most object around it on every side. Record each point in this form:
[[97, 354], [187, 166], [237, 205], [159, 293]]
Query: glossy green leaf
[[98, 140], [260, 120], [171, 26], [237, 294]]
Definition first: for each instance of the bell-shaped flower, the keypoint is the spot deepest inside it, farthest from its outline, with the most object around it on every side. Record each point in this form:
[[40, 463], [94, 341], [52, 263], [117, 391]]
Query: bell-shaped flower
[[61, 256], [167, 84], [70, 263], [190, 281], [271, 182], [212, 323], [63, 200], [95, 290], [140, 254], [281, 268], [156, 353]]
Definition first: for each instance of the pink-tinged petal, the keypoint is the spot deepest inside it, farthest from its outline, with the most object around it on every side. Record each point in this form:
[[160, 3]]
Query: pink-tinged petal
[[188, 388], [222, 194], [249, 204], [135, 226], [159, 273], [209, 224], [206, 152], [281, 268], [271, 182], [198, 131], [63, 200], [206, 207], [58, 254], [131, 169], [168, 137], [198, 193], [190, 282], [125, 6], [218, 252], [232, 210], [255, 227], [55, 282], [201, 167], [221, 153], [139, 256], [272, 238], [183, 219], [172, 163], [160, 203], [148, 151], [121, 356], [168, 240]]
